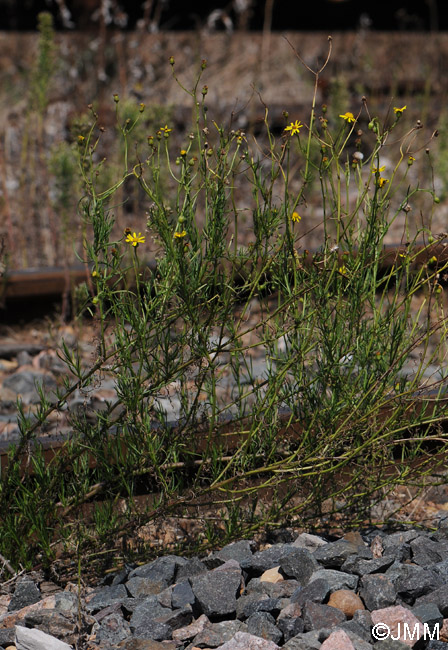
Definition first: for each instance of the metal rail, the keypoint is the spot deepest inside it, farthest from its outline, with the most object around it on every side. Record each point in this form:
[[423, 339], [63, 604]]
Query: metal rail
[[230, 434], [22, 285]]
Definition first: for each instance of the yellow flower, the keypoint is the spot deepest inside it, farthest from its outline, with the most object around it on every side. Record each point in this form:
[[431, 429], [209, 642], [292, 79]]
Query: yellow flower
[[294, 127], [183, 153], [165, 129], [377, 170], [348, 117], [411, 159], [296, 216], [382, 181], [135, 239], [399, 111], [180, 234], [343, 270]]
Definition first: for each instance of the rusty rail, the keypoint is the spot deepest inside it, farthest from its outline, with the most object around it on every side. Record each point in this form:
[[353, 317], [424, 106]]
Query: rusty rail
[[231, 433], [34, 283]]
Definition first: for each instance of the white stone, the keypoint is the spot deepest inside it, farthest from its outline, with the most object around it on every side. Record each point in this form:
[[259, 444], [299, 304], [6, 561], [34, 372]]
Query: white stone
[[31, 639]]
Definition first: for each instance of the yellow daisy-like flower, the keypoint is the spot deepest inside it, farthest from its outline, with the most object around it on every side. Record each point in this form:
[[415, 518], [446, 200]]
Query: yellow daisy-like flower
[[343, 270], [377, 170], [382, 181], [135, 239], [411, 159], [399, 111], [294, 127], [180, 234], [348, 117], [165, 129], [296, 216]]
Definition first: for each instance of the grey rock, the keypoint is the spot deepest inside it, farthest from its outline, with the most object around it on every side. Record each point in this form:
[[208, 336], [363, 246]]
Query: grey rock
[[7, 636], [439, 597], [152, 630], [261, 561], [67, 602], [316, 616], [334, 554], [121, 577], [417, 583], [23, 382], [355, 629], [238, 551], [361, 567], [308, 640], [140, 586], [401, 537], [215, 634], [437, 645], [262, 624], [182, 594], [336, 579], [429, 613], [441, 569], [310, 542], [192, 567], [216, 592], [316, 592], [426, 552], [270, 605], [299, 564], [160, 572], [106, 596], [111, 609], [28, 639], [245, 603], [176, 618], [363, 618], [398, 544], [164, 598], [147, 611], [290, 627], [133, 643], [377, 591], [26, 593], [113, 629], [283, 589]]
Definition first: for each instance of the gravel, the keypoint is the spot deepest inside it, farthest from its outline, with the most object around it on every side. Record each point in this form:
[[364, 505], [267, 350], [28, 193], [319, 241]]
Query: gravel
[[243, 597]]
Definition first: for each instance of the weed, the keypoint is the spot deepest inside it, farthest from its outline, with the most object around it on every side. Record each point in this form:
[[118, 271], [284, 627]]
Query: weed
[[330, 346]]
